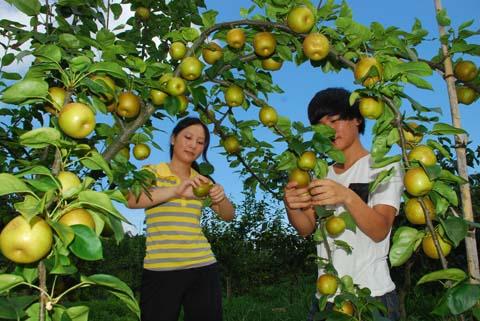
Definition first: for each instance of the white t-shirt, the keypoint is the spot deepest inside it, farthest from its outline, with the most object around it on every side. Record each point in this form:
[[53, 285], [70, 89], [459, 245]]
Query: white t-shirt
[[367, 264]]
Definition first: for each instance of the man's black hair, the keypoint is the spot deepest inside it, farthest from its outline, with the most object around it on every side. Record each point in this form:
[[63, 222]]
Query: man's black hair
[[331, 102]]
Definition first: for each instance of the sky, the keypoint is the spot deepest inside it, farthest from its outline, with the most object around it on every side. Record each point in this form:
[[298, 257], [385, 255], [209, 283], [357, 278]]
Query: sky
[[300, 83]]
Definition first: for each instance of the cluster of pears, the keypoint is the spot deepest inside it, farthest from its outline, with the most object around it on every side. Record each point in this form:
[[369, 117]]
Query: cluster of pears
[[418, 185], [465, 71], [25, 241], [141, 151], [327, 284], [77, 119]]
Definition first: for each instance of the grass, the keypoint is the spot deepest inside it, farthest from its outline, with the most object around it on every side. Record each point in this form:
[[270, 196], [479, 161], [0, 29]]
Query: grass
[[286, 301]]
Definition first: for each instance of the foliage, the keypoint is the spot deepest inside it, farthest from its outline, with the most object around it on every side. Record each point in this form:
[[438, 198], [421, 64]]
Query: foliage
[[259, 240], [71, 44]]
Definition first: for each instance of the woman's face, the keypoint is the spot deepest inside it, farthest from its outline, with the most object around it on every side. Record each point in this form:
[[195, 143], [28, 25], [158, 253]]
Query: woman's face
[[189, 143]]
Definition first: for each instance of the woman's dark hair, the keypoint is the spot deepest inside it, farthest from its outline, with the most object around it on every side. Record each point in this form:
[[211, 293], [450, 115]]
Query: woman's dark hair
[[187, 122], [331, 102]]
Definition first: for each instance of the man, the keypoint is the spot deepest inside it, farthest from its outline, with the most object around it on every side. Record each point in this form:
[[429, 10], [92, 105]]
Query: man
[[346, 189]]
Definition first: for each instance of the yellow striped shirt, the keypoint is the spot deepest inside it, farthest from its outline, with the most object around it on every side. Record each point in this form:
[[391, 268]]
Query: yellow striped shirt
[[175, 239]]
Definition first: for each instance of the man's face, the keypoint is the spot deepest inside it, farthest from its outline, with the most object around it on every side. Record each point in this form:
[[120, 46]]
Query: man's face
[[346, 130]]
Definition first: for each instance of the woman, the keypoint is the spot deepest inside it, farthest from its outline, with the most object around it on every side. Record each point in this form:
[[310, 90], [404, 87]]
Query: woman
[[179, 266]]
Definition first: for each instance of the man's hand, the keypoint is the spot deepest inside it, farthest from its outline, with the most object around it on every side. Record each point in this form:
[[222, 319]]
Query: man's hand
[[328, 192], [297, 198]]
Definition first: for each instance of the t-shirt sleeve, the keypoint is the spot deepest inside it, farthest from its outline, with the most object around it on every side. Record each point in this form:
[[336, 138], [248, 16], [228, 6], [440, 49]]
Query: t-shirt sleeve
[[162, 174], [390, 192]]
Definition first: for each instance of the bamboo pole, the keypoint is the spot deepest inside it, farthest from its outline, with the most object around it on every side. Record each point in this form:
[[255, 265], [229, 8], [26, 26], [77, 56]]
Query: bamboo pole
[[460, 148]]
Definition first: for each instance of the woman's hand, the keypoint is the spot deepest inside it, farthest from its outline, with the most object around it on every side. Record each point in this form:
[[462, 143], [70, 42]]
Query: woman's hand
[[217, 193], [185, 189]]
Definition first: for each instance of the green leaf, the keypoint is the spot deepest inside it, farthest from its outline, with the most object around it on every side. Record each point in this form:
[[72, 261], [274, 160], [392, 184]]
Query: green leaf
[[101, 201], [208, 18], [60, 263], [34, 170], [318, 236], [43, 183], [171, 105], [86, 244], [8, 59], [48, 53], [286, 161], [69, 41], [65, 232], [379, 147], [452, 274], [447, 176], [446, 129], [463, 297], [405, 241], [28, 7], [381, 178], [419, 82], [446, 191], [476, 312], [199, 95], [80, 63], [441, 203], [321, 168], [322, 211], [349, 221], [111, 68], [25, 89], [9, 281], [433, 172], [442, 18], [343, 245], [284, 52], [33, 311], [7, 311], [116, 10], [189, 34], [206, 169], [13, 307], [29, 273], [30, 207], [337, 155], [456, 229], [117, 288], [415, 67], [11, 184], [136, 64], [105, 37], [78, 313], [324, 130], [284, 124], [41, 137], [386, 161], [94, 160], [321, 144], [436, 145]]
